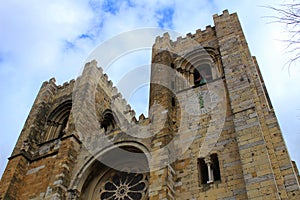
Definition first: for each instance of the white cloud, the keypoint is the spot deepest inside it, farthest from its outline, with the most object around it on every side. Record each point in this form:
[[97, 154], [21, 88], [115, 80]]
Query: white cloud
[[192, 15], [34, 32]]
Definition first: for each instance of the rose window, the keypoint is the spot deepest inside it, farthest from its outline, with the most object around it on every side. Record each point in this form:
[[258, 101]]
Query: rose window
[[125, 186]]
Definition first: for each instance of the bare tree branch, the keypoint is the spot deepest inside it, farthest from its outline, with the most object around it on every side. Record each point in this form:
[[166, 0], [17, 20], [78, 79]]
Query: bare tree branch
[[289, 15]]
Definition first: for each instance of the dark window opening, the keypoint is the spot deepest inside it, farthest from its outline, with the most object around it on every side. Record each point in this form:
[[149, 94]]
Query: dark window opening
[[108, 122], [203, 171], [198, 78], [215, 167], [173, 102], [209, 169], [172, 65], [202, 74]]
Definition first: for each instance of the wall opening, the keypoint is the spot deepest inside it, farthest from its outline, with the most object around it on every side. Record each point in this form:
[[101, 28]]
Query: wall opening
[[215, 167], [209, 169], [203, 171], [124, 178], [108, 121], [57, 121]]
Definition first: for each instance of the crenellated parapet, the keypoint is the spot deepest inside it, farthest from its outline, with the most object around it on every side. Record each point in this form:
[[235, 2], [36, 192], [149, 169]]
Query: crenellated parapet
[[206, 38], [183, 45], [102, 99], [53, 88], [117, 101]]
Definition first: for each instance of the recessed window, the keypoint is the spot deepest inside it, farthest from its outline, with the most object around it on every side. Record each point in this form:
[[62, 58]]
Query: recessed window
[[108, 122], [198, 78], [215, 167], [203, 171], [202, 74], [173, 102], [209, 169], [57, 121]]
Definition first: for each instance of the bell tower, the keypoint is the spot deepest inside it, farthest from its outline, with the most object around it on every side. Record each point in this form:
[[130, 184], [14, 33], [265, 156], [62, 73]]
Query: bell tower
[[211, 132]]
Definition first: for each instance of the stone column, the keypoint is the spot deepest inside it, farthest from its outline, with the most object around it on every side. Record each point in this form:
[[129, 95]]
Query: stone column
[[210, 171]]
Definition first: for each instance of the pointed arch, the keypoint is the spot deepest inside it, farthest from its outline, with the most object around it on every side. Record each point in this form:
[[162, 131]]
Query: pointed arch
[[108, 121], [217, 61], [57, 121]]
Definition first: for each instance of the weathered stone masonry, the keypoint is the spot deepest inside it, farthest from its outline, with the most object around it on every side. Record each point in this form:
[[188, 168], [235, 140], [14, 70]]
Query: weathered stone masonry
[[236, 152]]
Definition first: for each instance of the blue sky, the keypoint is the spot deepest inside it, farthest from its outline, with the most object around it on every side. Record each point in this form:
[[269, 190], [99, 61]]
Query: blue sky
[[52, 38]]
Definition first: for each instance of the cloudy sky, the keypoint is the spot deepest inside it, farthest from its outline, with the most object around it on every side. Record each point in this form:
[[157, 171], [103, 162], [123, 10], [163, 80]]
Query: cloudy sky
[[52, 38]]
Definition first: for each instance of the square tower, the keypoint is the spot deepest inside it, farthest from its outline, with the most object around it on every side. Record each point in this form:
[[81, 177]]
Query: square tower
[[211, 132]]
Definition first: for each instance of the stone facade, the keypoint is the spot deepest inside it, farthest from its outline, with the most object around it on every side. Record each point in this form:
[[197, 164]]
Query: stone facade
[[215, 139]]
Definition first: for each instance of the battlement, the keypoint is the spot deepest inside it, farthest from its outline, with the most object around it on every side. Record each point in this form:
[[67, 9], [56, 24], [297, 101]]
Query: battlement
[[92, 72], [52, 83], [208, 33], [225, 13]]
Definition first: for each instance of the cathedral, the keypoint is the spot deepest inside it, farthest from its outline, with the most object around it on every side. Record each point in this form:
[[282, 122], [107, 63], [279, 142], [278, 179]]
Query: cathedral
[[211, 132]]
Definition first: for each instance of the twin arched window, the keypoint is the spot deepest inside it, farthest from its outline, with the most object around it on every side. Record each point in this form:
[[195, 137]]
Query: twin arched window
[[57, 121], [209, 169], [199, 66]]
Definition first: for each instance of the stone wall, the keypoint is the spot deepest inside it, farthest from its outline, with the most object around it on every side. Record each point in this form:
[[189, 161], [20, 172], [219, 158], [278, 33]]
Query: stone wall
[[234, 121]]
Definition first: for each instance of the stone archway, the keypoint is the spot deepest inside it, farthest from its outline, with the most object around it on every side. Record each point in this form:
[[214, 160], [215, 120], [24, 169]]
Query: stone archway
[[126, 179]]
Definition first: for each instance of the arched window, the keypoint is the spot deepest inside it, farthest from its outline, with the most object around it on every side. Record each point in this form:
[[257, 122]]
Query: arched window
[[209, 169], [202, 74], [125, 177], [205, 71], [57, 121], [203, 171], [215, 167], [108, 122], [172, 65], [198, 78]]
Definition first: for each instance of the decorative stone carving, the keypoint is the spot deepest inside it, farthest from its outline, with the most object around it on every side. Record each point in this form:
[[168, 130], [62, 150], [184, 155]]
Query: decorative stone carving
[[25, 146], [124, 185]]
